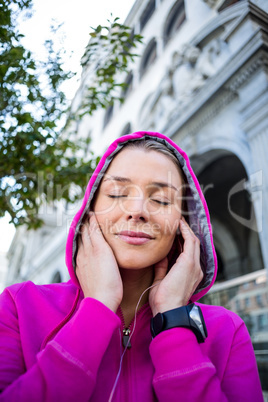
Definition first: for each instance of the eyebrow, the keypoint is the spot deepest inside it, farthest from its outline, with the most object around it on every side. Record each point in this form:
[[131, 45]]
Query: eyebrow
[[118, 178], [127, 180]]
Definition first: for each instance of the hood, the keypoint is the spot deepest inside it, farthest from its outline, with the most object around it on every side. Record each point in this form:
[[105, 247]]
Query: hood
[[198, 215]]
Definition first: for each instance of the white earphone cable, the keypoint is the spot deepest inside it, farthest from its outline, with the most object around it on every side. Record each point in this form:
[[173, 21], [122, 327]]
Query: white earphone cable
[[123, 354]]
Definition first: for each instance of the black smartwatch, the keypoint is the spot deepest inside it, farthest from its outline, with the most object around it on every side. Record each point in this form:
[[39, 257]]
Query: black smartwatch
[[186, 316]]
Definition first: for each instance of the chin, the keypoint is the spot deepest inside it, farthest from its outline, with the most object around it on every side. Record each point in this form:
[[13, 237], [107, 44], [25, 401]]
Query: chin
[[135, 261], [132, 264], [138, 258]]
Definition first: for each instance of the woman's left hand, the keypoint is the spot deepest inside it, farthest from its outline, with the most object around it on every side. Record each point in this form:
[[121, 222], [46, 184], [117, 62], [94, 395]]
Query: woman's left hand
[[175, 288]]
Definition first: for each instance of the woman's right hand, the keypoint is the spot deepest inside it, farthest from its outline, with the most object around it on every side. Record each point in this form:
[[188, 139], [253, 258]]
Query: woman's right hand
[[96, 266]]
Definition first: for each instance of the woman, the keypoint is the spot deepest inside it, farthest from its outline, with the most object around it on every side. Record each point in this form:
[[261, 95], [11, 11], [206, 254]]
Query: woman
[[134, 263]]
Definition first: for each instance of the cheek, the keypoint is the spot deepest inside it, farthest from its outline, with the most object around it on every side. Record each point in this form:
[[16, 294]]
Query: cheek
[[105, 208], [113, 207], [108, 222], [170, 240], [170, 225]]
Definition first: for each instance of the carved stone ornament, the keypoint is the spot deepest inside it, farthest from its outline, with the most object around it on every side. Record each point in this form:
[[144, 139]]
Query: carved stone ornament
[[187, 76], [189, 69], [158, 106], [211, 3]]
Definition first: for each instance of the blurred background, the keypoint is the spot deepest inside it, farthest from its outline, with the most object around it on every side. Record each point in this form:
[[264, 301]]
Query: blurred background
[[200, 77]]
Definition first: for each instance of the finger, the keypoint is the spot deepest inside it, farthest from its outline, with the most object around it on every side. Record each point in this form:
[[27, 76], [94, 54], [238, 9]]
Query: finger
[[193, 246], [188, 237], [197, 260], [188, 226], [85, 236], [94, 230], [160, 269]]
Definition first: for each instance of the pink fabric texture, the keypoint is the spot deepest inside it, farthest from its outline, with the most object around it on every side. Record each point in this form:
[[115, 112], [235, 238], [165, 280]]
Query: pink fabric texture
[[57, 345]]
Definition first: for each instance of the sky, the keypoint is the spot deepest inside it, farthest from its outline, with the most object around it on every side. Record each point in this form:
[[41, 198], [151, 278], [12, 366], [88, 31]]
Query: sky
[[77, 18]]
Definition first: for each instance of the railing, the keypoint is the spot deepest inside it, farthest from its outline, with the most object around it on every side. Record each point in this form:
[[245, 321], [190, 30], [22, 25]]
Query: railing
[[247, 296]]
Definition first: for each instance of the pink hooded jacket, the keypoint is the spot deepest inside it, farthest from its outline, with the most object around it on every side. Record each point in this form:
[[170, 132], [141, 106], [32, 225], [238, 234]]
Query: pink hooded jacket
[[57, 345]]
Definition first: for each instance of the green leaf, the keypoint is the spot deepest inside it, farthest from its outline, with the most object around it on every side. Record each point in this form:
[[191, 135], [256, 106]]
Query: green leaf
[[37, 160]]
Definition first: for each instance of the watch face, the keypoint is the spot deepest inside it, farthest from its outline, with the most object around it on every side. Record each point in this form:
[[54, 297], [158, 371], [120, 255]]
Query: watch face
[[197, 316]]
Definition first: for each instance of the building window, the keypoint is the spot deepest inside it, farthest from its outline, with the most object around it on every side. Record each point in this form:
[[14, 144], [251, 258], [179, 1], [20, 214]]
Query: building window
[[174, 20], [259, 300], [129, 85], [147, 13], [56, 278], [108, 115], [126, 130], [129, 43], [228, 3], [262, 322], [247, 302], [149, 57]]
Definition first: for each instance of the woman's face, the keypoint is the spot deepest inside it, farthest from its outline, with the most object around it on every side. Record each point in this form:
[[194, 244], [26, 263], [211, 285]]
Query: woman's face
[[138, 207]]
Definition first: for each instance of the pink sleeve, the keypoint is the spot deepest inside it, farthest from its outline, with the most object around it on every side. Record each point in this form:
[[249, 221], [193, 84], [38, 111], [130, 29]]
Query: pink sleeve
[[241, 378], [67, 367], [183, 372]]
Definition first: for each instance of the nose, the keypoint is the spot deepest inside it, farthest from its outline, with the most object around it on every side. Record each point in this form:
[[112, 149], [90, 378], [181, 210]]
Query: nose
[[135, 208]]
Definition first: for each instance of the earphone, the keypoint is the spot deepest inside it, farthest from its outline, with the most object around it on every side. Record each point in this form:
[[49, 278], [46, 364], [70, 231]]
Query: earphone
[[123, 354]]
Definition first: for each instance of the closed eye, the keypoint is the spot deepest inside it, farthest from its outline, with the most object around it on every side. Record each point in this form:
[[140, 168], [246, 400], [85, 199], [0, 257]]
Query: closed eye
[[161, 202], [124, 196], [116, 196]]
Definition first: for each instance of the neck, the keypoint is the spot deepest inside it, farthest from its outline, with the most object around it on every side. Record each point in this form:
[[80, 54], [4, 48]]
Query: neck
[[134, 283]]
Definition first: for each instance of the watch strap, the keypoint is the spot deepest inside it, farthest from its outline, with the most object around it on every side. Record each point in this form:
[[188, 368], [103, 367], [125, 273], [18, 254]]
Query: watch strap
[[189, 316]]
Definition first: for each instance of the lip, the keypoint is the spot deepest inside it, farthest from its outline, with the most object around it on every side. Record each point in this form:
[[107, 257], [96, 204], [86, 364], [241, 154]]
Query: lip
[[135, 238]]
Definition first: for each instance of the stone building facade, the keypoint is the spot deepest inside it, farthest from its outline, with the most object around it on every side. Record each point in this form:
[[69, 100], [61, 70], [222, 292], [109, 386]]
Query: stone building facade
[[201, 79]]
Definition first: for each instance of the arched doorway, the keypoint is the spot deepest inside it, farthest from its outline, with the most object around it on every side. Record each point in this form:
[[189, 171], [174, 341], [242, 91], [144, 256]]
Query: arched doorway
[[223, 179], [56, 277]]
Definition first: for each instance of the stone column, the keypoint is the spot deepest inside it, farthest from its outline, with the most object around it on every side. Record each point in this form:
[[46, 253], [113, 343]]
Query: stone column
[[259, 185], [254, 112]]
